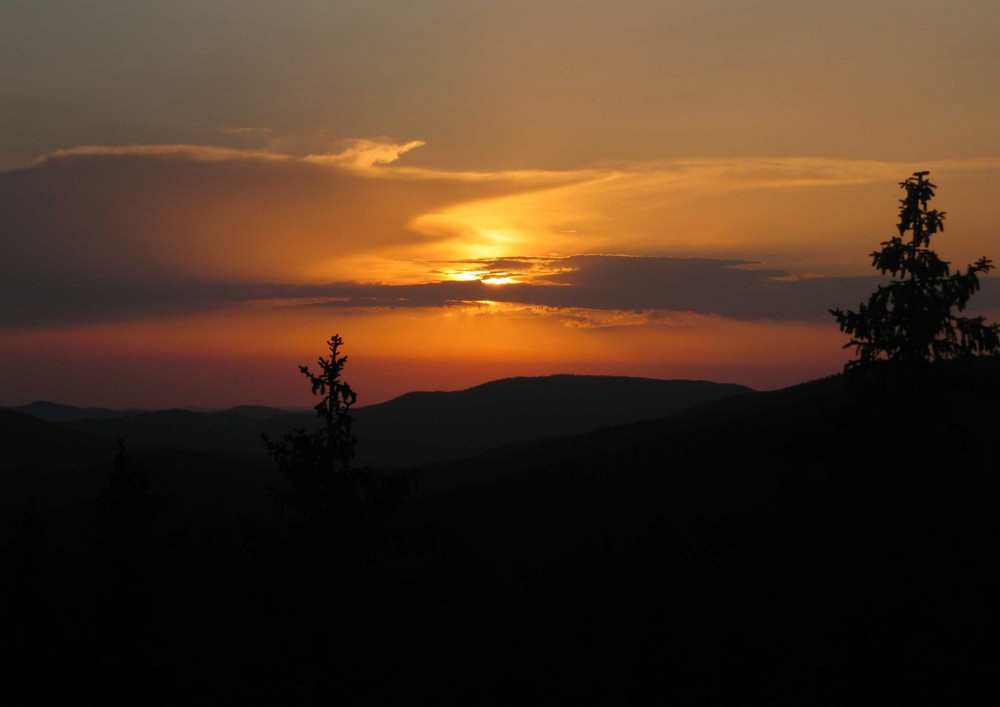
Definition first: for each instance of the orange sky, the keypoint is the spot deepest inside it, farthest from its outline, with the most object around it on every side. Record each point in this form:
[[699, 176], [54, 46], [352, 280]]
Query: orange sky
[[194, 199]]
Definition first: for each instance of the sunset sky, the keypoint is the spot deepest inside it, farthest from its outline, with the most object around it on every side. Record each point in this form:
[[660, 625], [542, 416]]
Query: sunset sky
[[195, 194]]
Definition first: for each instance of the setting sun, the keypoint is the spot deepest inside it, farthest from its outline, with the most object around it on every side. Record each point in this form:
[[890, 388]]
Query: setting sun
[[498, 280]]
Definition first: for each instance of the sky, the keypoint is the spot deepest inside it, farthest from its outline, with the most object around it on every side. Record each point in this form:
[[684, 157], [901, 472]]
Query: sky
[[195, 195]]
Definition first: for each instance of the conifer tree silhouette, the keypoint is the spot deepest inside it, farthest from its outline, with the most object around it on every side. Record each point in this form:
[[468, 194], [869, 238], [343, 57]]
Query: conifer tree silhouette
[[318, 465], [911, 320]]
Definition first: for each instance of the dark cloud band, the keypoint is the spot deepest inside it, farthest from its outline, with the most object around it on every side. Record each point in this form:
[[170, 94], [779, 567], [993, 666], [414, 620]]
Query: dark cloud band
[[726, 288]]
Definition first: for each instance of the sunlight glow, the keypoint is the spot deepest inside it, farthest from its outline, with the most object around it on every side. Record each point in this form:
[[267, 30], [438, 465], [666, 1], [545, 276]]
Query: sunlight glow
[[467, 275]]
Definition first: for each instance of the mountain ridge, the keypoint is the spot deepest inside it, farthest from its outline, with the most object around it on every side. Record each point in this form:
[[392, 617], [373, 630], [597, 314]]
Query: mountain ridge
[[418, 427]]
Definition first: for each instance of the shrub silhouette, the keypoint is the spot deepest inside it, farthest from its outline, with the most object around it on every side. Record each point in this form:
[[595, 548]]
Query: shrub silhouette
[[910, 321]]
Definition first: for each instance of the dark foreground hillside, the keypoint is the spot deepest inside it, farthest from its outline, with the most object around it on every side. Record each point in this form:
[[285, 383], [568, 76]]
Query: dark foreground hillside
[[825, 544]]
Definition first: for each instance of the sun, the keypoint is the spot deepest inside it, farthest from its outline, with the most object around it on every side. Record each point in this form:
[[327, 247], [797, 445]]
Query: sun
[[467, 275], [486, 277]]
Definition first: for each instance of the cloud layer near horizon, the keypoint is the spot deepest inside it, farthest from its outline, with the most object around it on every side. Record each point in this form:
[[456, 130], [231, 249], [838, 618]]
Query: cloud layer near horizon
[[100, 233]]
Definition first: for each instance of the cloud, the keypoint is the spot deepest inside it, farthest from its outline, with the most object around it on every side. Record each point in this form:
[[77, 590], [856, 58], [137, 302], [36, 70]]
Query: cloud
[[365, 154], [193, 153], [106, 232], [728, 288], [586, 290], [572, 286], [74, 301], [112, 226], [806, 214]]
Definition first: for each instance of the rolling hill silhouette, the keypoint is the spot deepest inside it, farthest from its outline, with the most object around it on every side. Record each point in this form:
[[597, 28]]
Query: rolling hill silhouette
[[418, 428], [415, 428], [29, 441], [824, 543], [829, 543], [55, 412]]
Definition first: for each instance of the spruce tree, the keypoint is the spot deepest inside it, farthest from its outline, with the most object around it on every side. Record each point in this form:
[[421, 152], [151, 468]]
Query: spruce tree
[[318, 465], [911, 320]]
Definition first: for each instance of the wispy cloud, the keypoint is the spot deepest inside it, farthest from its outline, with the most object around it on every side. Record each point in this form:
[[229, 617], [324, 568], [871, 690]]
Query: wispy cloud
[[364, 154], [194, 153]]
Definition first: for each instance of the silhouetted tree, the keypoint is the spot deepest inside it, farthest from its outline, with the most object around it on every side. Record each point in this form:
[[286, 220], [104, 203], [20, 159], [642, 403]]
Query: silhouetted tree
[[127, 507], [910, 320], [318, 465], [125, 527], [25, 553]]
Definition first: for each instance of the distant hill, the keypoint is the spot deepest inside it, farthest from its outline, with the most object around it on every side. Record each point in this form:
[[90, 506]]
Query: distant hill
[[262, 412], [54, 412], [29, 441], [770, 549], [824, 429], [227, 435], [416, 428]]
